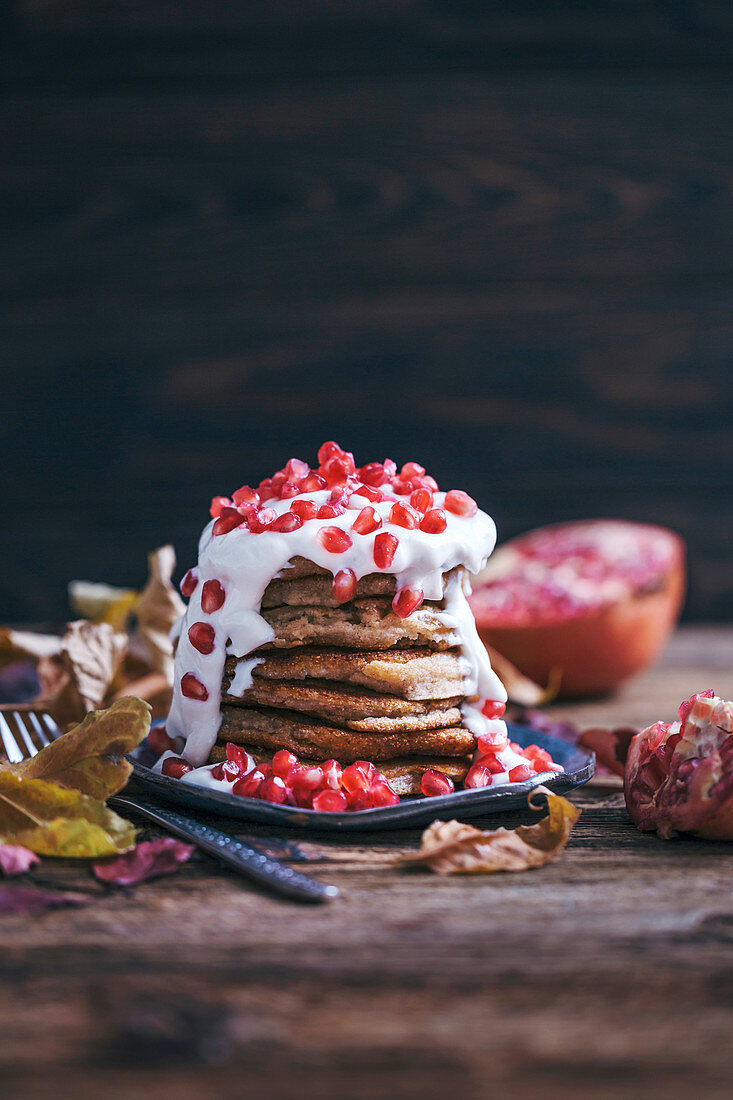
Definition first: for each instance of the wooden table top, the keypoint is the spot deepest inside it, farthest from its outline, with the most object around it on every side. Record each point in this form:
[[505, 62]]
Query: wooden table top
[[607, 973]]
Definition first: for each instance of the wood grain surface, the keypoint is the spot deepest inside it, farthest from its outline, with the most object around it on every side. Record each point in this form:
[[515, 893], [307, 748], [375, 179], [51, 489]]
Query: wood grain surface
[[497, 240], [607, 973]]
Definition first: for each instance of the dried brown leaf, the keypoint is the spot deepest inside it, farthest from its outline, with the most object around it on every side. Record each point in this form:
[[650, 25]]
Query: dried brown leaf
[[520, 689], [158, 608], [453, 847]]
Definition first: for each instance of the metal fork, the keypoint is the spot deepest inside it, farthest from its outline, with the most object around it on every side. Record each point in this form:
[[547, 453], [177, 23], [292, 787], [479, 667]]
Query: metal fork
[[227, 849]]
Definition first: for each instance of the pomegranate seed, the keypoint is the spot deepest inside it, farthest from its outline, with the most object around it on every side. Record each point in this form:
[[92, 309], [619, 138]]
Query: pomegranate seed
[[381, 793], [411, 469], [296, 470], [373, 474], [354, 779], [330, 511], [520, 773], [344, 585], [390, 467], [375, 495], [460, 503], [478, 776], [434, 522], [404, 516], [329, 801], [434, 783], [308, 778], [265, 490], [407, 600], [385, 548], [193, 688], [491, 763], [313, 483], [218, 504], [493, 709], [306, 509], [284, 764], [515, 747], [239, 756], [273, 790], [174, 767], [367, 767], [188, 584], [258, 522], [288, 489], [657, 733], [212, 597], [360, 800], [421, 500], [402, 488], [334, 539], [228, 771], [201, 637], [159, 741], [249, 785], [337, 470], [288, 521], [428, 482], [367, 521], [246, 495], [491, 742], [328, 450], [217, 772], [332, 772], [229, 518]]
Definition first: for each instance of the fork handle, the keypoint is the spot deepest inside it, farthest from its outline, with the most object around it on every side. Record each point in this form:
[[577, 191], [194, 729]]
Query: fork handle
[[242, 857]]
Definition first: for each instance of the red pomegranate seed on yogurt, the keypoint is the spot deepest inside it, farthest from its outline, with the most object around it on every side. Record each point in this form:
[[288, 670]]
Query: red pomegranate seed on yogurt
[[189, 584], [159, 741], [334, 539], [367, 521], [329, 801], [385, 548], [284, 764], [212, 597], [288, 521], [174, 767], [478, 776], [373, 474], [435, 783], [330, 511], [407, 600], [313, 483], [308, 778], [344, 585], [460, 503], [306, 509], [520, 773], [218, 504], [434, 522], [246, 495], [404, 516], [192, 688], [366, 492], [381, 793], [328, 450], [238, 755], [332, 772], [288, 489], [249, 785], [258, 522], [493, 709], [491, 761], [491, 742], [201, 637], [411, 469], [296, 470], [229, 518], [402, 488], [421, 500], [273, 790]]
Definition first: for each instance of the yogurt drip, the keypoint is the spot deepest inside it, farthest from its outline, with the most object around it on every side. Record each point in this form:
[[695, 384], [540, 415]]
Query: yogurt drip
[[244, 564]]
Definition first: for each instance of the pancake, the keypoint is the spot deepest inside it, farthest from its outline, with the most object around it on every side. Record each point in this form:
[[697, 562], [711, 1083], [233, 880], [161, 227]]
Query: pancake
[[349, 706], [307, 737], [404, 773], [317, 590], [361, 624], [417, 673]]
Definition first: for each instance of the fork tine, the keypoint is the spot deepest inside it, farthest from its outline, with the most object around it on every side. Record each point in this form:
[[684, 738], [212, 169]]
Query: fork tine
[[23, 731], [51, 726], [10, 745], [38, 728]]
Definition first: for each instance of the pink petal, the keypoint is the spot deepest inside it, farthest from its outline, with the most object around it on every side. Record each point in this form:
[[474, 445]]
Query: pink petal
[[149, 859], [16, 860]]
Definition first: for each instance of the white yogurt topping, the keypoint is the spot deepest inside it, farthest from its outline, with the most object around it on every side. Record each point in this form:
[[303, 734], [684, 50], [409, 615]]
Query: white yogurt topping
[[245, 563]]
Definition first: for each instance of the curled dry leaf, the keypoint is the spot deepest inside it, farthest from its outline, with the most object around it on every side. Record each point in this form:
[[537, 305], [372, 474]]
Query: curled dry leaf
[[77, 678], [53, 803], [16, 860], [453, 847], [149, 859], [29, 899], [520, 688], [611, 746], [158, 608]]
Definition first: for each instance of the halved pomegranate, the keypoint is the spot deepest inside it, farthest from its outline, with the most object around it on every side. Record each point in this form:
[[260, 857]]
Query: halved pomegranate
[[679, 776], [593, 600]]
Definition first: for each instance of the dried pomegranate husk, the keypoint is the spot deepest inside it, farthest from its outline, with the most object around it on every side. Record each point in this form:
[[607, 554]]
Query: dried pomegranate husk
[[679, 776]]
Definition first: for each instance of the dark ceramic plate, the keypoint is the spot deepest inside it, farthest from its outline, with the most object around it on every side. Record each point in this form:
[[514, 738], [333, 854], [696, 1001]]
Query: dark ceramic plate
[[410, 811]]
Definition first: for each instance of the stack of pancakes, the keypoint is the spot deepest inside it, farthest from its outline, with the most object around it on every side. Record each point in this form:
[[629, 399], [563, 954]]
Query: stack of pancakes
[[351, 681]]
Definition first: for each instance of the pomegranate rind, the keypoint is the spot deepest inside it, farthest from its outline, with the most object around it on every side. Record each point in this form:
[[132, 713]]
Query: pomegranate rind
[[685, 783], [596, 648]]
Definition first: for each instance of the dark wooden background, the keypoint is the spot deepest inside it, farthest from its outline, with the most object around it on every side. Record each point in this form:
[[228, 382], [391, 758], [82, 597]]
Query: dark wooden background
[[496, 237]]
